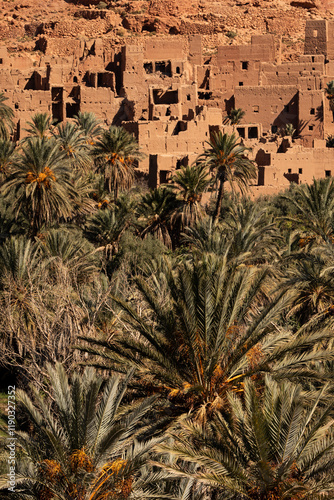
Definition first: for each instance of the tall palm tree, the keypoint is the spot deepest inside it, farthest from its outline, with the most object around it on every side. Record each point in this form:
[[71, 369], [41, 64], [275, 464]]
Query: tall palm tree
[[313, 211], [226, 157], [70, 253], [246, 235], [189, 184], [90, 126], [6, 118], [40, 126], [73, 142], [82, 444], [274, 445], [7, 157], [116, 154], [40, 181], [202, 329], [310, 278], [329, 91], [236, 115], [155, 211]]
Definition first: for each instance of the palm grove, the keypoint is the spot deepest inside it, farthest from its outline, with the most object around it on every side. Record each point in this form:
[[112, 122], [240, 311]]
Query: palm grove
[[162, 348]]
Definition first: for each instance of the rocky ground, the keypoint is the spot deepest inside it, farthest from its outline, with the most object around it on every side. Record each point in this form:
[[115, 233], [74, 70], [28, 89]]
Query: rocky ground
[[219, 21]]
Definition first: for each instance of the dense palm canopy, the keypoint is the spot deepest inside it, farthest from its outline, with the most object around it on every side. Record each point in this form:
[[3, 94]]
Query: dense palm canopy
[[225, 316], [313, 210], [204, 332], [274, 444], [227, 158], [84, 446]]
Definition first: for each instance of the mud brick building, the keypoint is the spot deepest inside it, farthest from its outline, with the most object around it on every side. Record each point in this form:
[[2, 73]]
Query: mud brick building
[[166, 93]]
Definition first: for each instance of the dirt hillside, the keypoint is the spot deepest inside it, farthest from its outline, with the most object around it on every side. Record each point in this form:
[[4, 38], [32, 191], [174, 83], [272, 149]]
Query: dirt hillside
[[219, 21]]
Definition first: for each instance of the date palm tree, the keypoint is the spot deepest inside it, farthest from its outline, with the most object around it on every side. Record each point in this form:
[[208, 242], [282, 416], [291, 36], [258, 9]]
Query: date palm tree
[[82, 444], [90, 126], [73, 142], [236, 115], [189, 183], [226, 157], [155, 211], [116, 154], [313, 211], [276, 444], [7, 157], [329, 91], [40, 181], [203, 328], [6, 118], [40, 126]]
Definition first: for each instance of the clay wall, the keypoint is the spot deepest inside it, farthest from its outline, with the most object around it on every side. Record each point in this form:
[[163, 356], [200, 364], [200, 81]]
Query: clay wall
[[167, 49], [262, 49], [316, 37], [272, 106], [311, 116]]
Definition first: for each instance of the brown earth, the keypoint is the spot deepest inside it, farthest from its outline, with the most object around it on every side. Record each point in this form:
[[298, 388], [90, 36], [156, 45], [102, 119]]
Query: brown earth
[[220, 22]]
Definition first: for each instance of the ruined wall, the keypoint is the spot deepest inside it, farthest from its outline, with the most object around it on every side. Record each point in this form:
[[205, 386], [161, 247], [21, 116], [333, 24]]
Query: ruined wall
[[273, 106]]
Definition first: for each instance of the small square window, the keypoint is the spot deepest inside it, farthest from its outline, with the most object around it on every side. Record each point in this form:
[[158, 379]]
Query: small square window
[[310, 127], [241, 84], [16, 105], [300, 171], [328, 173], [289, 170], [274, 109], [312, 111], [244, 65], [256, 109]]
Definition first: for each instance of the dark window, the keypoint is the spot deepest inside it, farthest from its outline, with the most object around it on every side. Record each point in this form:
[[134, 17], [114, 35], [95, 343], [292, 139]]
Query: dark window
[[178, 71], [164, 68], [241, 132], [75, 79], [286, 108], [188, 97], [148, 67], [16, 106], [252, 133], [328, 173], [241, 84], [1, 61], [310, 127], [244, 64], [300, 171], [204, 95], [164, 176], [274, 129], [312, 111], [289, 170], [313, 58]]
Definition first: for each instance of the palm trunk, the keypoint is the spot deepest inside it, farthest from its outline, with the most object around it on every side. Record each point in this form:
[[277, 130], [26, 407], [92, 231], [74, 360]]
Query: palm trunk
[[219, 200]]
